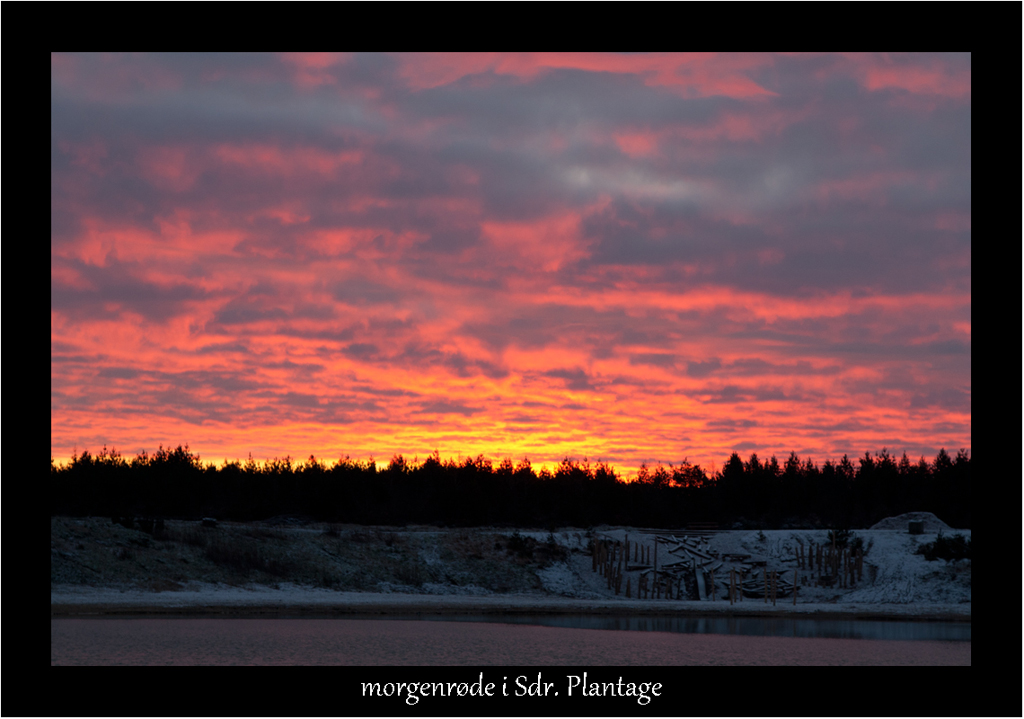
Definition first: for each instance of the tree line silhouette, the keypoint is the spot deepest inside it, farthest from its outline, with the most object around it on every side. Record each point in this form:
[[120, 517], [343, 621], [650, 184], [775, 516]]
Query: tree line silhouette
[[175, 483]]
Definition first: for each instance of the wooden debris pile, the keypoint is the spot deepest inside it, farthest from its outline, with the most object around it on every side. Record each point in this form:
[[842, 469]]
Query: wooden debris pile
[[689, 569]]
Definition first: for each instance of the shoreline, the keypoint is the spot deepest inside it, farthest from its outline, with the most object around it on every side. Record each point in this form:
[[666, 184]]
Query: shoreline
[[360, 605], [103, 569]]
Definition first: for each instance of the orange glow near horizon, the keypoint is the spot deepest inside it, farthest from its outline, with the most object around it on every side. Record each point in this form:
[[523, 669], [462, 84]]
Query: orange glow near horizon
[[627, 258]]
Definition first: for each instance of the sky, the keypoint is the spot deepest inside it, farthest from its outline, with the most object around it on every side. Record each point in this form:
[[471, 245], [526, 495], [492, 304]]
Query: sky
[[629, 258]]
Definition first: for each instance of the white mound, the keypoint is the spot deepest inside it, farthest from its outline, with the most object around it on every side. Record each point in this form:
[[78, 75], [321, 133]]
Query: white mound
[[931, 522]]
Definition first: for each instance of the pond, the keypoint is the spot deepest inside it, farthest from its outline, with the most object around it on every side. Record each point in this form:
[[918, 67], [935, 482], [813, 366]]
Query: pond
[[519, 641]]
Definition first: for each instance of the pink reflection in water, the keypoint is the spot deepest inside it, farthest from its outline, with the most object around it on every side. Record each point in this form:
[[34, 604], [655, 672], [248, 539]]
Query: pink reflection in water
[[365, 642]]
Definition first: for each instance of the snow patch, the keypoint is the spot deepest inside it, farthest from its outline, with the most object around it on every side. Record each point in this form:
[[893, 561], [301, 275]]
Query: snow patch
[[560, 579]]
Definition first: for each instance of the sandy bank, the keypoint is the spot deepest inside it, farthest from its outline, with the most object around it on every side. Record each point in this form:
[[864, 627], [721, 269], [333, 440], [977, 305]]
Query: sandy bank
[[99, 568], [259, 601]]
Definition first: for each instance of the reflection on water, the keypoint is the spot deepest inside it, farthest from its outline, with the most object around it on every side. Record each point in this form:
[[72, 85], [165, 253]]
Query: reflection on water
[[459, 643], [748, 626]]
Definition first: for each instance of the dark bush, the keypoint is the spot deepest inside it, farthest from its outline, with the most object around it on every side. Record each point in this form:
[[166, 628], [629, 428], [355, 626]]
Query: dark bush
[[126, 522], [246, 556], [840, 536], [520, 545], [529, 549], [188, 534], [951, 549], [411, 574]]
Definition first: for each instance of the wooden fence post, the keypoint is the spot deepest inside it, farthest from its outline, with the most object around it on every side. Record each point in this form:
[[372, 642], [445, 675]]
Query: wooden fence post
[[657, 584]]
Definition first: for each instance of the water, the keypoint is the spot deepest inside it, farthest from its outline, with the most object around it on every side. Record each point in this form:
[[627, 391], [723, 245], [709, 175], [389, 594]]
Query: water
[[574, 641], [748, 626]]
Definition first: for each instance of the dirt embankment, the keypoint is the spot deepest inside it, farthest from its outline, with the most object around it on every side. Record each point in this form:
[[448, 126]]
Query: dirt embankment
[[98, 552], [93, 559]]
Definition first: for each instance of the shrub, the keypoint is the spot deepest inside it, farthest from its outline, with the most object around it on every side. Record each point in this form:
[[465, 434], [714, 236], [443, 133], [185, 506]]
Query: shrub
[[246, 556], [126, 522], [529, 549], [518, 544], [951, 549], [188, 534], [551, 552], [842, 537], [410, 573]]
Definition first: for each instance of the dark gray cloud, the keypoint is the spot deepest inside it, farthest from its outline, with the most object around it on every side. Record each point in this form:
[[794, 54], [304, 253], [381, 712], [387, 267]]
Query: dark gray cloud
[[575, 378], [358, 291], [733, 424], [445, 407], [655, 359], [703, 369], [117, 287], [118, 373]]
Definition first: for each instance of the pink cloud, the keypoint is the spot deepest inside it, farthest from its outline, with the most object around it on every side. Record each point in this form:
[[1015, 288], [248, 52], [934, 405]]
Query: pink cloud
[[935, 80], [312, 69], [286, 162], [545, 245], [692, 75], [170, 168]]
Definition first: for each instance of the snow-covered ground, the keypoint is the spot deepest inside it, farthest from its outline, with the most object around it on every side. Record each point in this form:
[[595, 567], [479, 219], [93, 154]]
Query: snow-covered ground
[[292, 600], [99, 568]]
